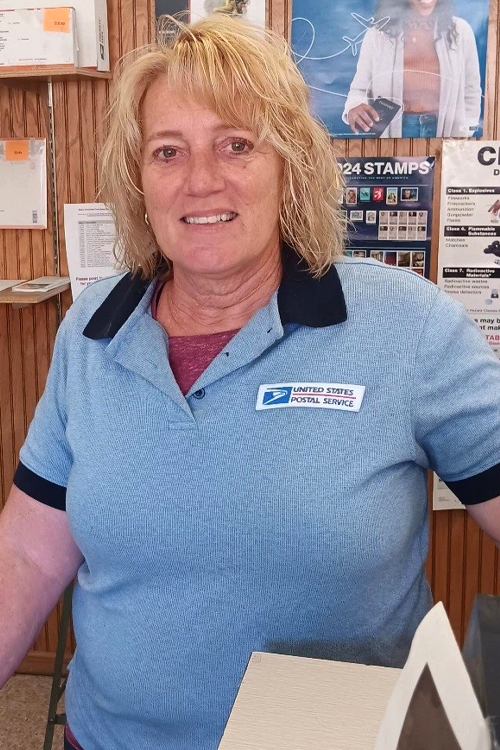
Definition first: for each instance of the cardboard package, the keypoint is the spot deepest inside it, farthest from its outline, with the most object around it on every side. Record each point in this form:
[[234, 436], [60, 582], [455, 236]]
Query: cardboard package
[[91, 28], [35, 37], [296, 703]]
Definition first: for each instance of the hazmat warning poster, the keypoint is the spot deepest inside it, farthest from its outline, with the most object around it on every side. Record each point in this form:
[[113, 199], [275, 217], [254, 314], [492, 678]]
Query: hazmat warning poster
[[469, 245], [469, 242]]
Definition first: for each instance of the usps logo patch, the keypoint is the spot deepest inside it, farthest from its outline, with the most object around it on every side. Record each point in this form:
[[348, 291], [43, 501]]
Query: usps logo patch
[[310, 395], [276, 396]]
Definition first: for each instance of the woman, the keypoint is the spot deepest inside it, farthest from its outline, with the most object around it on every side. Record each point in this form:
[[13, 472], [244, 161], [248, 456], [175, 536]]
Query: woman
[[235, 435], [424, 59]]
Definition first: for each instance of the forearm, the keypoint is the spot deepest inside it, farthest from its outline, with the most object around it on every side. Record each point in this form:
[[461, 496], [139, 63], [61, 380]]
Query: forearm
[[26, 600]]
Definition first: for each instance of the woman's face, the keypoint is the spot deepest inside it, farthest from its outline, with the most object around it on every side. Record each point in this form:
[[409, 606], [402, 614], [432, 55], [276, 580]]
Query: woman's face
[[424, 7], [212, 195]]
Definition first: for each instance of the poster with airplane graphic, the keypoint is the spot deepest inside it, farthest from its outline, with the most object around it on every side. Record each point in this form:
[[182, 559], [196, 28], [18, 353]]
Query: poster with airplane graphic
[[394, 68]]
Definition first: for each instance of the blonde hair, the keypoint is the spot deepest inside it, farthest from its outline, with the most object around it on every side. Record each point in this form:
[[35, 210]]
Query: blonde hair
[[247, 77]]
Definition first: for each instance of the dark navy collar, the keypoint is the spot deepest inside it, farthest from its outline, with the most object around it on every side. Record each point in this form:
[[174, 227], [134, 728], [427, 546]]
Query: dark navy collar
[[302, 299]]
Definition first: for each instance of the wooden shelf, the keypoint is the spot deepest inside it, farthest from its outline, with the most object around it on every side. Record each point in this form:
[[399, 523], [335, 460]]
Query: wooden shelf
[[51, 74], [22, 299]]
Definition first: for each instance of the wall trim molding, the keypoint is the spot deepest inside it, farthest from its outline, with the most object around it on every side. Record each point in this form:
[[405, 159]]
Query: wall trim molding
[[41, 663]]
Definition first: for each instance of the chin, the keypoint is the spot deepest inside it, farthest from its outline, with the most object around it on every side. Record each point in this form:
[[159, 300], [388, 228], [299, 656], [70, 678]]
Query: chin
[[426, 9], [210, 265]]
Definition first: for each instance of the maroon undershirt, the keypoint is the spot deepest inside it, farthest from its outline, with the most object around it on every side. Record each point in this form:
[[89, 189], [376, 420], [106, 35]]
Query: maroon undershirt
[[189, 356]]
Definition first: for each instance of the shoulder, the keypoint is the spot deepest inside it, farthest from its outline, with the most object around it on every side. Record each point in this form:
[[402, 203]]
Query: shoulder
[[376, 37], [89, 300], [398, 301], [463, 28], [374, 277], [394, 296]]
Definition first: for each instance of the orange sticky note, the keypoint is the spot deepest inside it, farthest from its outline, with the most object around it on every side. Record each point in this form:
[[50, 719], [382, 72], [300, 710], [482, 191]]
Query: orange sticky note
[[16, 150], [56, 19]]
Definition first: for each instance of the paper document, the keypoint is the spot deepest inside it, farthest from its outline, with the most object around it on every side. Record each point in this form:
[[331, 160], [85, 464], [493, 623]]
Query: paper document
[[433, 705], [90, 238], [469, 243], [443, 498], [23, 184]]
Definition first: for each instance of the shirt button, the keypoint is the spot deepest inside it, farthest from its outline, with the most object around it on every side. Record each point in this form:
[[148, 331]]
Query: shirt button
[[200, 393]]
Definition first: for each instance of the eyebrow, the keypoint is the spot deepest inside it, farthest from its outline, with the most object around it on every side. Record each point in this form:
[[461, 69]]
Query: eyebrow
[[179, 134]]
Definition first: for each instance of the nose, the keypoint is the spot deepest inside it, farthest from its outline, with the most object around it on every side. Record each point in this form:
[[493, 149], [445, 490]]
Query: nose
[[204, 174]]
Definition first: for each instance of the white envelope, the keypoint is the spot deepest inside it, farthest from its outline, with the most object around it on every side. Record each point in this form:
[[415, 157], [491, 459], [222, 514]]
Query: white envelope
[[23, 184]]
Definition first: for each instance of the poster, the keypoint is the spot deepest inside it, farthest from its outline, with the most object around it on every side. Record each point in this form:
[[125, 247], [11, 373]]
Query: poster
[[251, 10], [388, 202], [425, 57], [170, 7], [469, 242], [469, 246], [90, 238]]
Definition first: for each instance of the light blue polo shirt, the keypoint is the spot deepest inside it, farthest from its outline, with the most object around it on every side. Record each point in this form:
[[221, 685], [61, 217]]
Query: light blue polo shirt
[[211, 529]]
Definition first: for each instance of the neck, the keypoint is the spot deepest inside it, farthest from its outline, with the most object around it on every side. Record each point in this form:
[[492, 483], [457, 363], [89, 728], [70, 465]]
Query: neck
[[193, 306], [422, 14]]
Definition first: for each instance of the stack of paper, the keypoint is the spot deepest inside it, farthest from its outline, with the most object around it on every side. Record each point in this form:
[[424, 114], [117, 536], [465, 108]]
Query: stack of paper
[[41, 284]]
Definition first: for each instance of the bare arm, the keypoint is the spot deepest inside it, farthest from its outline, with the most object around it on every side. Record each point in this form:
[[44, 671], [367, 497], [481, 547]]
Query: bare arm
[[487, 516], [360, 90], [38, 559], [472, 78]]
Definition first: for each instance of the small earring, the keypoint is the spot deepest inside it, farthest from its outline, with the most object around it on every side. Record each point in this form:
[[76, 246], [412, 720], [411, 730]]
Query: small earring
[[146, 219]]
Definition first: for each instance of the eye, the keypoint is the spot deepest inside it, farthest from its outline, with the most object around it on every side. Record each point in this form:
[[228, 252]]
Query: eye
[[165, 153], [240, 146]]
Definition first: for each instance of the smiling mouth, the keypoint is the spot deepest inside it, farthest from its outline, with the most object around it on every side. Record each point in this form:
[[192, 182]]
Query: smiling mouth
[[215, 219]]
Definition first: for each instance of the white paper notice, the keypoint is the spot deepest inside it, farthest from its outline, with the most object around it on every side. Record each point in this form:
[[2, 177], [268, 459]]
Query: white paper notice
[[469, 243], [90, 238], [443, 498], [433, 704], [23, 184], [251, 10]]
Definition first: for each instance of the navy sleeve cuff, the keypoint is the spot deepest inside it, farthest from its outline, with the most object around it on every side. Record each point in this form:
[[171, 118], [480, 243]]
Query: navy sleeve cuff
[[478, 489], [40, 489]]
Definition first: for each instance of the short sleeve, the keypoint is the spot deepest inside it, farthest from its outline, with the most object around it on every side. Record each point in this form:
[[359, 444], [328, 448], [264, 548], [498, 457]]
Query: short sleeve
[[45, 459], [456, 402]]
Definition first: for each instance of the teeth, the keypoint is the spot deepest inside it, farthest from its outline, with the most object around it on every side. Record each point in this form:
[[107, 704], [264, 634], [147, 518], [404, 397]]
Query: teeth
[[209, 219]]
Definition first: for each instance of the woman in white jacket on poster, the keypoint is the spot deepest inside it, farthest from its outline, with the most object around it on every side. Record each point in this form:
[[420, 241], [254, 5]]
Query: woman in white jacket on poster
[[424, 59]]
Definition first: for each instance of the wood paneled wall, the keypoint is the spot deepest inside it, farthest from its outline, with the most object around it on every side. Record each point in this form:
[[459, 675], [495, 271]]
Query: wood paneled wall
[[462, 561], [27, 335]]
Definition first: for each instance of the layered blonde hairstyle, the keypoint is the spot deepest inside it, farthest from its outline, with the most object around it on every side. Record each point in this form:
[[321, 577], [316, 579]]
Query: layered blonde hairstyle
[[247, 77]]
